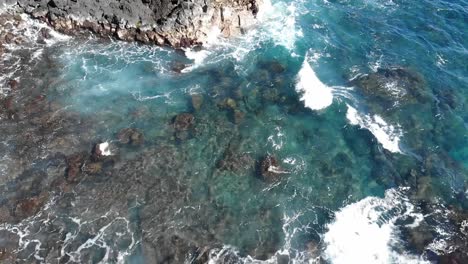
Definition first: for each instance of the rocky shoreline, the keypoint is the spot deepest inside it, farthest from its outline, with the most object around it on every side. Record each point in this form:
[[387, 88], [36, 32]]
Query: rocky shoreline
[[176, 23]]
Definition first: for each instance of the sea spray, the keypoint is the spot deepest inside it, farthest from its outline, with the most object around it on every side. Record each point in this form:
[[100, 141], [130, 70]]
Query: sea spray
[[387, 135], [364, 232], [314, 93]]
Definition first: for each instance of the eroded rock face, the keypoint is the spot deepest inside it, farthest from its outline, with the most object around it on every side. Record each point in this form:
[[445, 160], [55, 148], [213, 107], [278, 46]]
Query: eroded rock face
[[177, 23]]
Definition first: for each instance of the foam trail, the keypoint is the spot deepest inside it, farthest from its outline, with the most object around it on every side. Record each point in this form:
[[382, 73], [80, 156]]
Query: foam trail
[[314, 93], [364, 232], [198, 58], [279, 20], [388, 135]]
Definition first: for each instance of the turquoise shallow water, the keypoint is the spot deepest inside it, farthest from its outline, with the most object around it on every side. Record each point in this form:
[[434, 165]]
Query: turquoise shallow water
[[204, 184]]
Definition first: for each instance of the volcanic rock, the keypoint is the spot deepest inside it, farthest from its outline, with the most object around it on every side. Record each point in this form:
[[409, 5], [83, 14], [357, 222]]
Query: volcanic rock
[[270, 168], [177, 23]]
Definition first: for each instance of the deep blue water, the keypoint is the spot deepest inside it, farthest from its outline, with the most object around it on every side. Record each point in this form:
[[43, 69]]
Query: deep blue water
[[356, 172]]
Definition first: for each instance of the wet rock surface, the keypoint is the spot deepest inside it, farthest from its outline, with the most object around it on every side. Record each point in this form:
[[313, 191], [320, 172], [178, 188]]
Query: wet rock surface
[[175, 23], [130, 136], [270, 169]]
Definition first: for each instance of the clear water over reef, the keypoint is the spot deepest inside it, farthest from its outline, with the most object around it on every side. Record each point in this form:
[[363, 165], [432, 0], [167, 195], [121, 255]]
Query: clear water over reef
[[335, 132]]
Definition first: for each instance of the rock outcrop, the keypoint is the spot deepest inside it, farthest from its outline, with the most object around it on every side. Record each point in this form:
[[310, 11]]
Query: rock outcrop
[[178, 23]]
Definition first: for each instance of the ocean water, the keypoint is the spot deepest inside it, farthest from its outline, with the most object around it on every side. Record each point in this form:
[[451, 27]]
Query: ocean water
[[363, 104]]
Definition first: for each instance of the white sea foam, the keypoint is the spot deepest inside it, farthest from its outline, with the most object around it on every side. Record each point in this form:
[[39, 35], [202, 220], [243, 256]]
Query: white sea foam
[[198, 58], [365, 232], [277, 140], [227, 252], [104, 148], [26, 33], [314, 93], [276, 23], [279, 22], [388, 135]]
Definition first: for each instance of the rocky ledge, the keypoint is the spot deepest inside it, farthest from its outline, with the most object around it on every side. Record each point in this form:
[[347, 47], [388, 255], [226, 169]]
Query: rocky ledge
[[177, 23]]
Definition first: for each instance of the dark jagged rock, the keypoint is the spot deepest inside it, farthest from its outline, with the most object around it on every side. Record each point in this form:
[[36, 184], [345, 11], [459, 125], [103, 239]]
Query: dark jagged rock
[[176, 23], [270, 168], [178, 66], [13, 84]]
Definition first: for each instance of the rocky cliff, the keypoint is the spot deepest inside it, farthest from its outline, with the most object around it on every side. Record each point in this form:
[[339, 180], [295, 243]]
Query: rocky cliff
[[178, 23]]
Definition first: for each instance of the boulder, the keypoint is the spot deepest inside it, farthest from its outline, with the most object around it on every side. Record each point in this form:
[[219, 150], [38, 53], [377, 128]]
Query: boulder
[[270, 169], [178, 66], [13, 84], [45, 33]]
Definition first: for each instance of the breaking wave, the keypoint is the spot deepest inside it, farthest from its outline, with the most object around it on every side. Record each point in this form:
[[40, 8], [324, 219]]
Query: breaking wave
[[366, 231]]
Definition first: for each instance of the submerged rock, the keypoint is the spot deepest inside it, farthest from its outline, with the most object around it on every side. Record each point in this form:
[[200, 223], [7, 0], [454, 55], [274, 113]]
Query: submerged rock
[[197, 101], [228, 103], [236, 162], [131, 136], [238, 116], [93, 167], [183, 122], [183, 125], [392, 85], [74, 163]]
